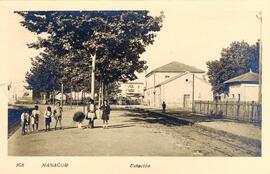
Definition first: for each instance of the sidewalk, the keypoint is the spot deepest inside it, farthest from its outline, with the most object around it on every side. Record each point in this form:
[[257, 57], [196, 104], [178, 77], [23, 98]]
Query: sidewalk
[[232, 127]]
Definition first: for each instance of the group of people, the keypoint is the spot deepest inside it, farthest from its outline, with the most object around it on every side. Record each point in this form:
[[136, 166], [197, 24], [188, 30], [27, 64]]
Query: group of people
[[56, 113], [92, 115], [30, 121]]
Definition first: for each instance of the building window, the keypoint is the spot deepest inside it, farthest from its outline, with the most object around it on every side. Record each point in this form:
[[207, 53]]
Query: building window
[[167, 76]]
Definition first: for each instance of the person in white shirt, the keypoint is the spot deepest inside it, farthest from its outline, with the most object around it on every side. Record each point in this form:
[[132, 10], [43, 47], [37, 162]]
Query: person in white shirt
[[57, 114], [23, 122], [48, 118], [91, 114], [35, 118]]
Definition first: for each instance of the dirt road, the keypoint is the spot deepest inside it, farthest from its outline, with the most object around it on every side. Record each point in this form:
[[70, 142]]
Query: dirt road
[[128, 134]]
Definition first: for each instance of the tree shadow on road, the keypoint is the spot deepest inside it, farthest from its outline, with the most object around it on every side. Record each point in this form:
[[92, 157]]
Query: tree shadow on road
[[153, 119], [120, 126], [111, 126]]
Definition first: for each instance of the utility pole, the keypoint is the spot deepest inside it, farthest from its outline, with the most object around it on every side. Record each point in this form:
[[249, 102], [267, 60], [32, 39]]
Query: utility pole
[[154, 90], [259, 16], [62, 90], [193, 102], [93, 77]]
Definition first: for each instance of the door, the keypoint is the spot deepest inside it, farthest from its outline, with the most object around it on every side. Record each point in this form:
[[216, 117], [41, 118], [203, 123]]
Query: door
[[186, 100]]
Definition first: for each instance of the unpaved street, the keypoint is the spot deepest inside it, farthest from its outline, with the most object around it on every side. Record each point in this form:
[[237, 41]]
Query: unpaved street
[[129, 134]]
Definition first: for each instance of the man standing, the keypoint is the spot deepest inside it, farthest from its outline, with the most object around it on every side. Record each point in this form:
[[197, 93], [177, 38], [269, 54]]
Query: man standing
[[163, 106], [57, 114]]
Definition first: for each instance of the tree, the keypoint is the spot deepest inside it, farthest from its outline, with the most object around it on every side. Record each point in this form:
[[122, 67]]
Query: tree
[[237, 59], [44, 74], [117, 38]]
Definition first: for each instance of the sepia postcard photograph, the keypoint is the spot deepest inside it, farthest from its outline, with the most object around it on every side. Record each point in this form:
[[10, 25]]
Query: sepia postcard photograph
[[179, 79]]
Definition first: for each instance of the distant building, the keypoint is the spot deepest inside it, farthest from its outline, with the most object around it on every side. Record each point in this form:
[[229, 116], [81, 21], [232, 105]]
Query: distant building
[[17, 92], [131, 89], [244, 87], [131, 93], [173, 83]]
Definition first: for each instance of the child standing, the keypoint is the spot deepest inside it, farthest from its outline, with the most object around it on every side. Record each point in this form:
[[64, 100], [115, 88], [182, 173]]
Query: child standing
[[48, 118], [35, 115], [57, 114], [91, 114], [23, 122], [27, 122]]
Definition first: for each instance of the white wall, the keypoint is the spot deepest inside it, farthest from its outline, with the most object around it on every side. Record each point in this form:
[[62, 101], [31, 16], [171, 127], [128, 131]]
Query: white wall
[[157, 78], [173, 92], [248, 92]]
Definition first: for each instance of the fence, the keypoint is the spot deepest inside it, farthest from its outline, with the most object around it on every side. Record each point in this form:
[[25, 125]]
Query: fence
[[244, 111]]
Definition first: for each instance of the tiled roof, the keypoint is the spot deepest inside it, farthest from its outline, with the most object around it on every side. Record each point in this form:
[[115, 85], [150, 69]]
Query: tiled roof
[[247, 77], [176, 67]]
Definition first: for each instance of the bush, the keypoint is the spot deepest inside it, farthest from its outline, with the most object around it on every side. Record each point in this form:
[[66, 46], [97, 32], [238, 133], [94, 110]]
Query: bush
[[78, 117]]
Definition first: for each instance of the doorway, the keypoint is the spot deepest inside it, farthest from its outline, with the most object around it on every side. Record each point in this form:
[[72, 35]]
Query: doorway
[[186, 100]]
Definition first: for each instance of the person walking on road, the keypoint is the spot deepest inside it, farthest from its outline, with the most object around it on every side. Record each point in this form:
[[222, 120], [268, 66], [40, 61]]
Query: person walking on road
[[35, 115], [57, 114], [105, 113], [48, 118], [163, 106], [91, 114]]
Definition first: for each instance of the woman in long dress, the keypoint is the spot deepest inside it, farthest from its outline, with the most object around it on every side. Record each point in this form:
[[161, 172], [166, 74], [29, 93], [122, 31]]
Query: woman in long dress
[[105, 113]]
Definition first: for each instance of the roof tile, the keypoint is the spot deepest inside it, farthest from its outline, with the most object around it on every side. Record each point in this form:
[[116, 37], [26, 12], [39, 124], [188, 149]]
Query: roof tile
[[247, 77], [176, 67]]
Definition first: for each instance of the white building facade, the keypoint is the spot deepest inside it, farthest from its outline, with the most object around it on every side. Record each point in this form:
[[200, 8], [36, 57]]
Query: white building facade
[[244, 87], [131, 89], [175, 84]]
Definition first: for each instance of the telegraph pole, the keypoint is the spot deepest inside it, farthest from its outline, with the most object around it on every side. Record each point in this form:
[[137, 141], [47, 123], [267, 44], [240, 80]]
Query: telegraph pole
[[193, 102], [93, 76], [62, 90], [259, 16]]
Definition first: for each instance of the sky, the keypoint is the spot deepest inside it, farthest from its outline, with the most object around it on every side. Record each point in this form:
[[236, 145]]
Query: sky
[[191, 34]]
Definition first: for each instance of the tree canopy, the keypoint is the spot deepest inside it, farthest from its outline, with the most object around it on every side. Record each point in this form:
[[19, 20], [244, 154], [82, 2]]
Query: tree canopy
[[116, 38], [237, 59], [44, 74]]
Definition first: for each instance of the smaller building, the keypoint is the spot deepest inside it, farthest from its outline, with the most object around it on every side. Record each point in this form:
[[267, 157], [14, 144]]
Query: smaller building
[[244, 87], [131, 89], [131, 93]]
